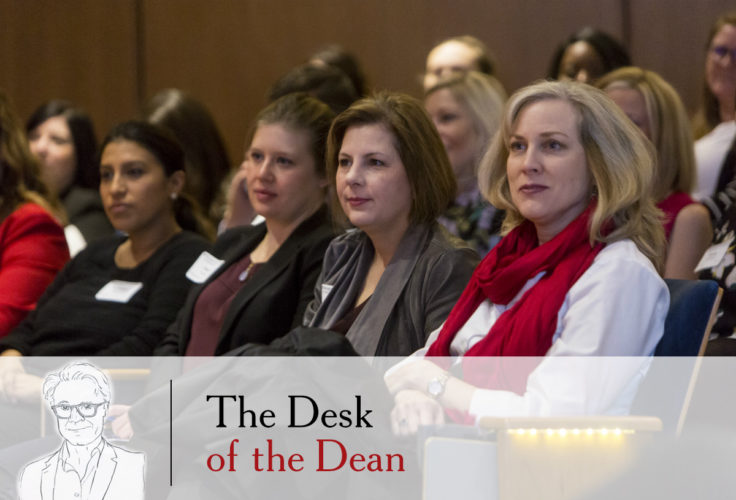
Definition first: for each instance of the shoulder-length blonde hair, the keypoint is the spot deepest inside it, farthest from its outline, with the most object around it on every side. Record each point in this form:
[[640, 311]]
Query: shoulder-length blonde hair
[[20, 177], [620, 160], [481, 95], [669, 127]]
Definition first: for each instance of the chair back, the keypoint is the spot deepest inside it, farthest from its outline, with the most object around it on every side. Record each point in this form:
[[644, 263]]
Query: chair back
[[667, 389], [693, 307]]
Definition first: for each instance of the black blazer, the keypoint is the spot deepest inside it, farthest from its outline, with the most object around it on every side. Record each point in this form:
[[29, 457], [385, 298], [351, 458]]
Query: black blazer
[[273, 301]]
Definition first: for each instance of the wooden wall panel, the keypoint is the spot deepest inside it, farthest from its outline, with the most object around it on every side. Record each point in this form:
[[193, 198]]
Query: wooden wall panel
[[81, 50], [228, 52], [109, 55]]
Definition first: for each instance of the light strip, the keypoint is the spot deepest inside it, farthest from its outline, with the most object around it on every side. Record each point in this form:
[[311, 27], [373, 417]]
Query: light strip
[[564, 432]]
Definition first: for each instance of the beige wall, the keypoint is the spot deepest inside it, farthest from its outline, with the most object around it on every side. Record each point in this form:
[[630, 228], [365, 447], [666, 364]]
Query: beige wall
[[109, 55]]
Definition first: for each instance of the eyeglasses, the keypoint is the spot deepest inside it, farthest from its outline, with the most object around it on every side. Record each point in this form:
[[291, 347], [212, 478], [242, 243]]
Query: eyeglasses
[[720, 52], [85, 410]]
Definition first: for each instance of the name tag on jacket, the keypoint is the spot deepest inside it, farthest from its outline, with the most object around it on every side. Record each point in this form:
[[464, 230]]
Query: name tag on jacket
[[118, 291], [205, 265], [714, 255], [326, 289]]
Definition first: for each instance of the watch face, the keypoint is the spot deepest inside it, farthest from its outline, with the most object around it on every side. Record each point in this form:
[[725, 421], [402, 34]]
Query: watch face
[[434, 388]]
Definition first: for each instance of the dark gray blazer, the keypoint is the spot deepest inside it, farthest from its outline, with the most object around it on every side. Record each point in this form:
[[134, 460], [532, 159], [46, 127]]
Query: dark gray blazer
[[414, 296], [273, 301]]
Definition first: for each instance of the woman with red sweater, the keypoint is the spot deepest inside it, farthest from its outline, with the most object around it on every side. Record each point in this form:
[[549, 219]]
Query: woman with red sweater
[[32, 244]]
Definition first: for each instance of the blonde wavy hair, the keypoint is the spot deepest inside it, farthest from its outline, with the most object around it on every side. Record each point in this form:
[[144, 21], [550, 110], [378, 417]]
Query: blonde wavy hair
[[620, 160], [669, 126]]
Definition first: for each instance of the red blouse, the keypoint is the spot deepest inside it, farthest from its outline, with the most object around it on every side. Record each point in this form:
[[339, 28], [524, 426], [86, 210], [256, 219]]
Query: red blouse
[[32, 250], [671, 206]]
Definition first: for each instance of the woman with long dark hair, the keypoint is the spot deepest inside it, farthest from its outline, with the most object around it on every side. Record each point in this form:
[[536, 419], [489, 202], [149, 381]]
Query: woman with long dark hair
[[62, 137]]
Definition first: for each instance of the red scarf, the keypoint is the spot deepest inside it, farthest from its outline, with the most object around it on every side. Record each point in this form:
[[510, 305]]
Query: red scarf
[[526, 329]]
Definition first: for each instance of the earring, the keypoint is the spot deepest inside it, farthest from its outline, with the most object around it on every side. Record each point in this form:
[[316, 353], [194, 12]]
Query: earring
[[174, 196], [594, 192]]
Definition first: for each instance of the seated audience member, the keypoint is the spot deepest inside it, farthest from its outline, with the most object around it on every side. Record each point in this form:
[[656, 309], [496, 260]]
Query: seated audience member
[[714, 123], [654, 106], [118, 295], [721, 266], [456, 55], [264, 275], [32, 244], [205, 157], [337, 57], [466, 109], [327, 83], [392, 281], [576, 275], [61, 136], [586, 56]]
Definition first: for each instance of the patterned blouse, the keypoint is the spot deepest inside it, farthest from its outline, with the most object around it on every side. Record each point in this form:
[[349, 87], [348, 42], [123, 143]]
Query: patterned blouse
[[473, 219], [722, 209]]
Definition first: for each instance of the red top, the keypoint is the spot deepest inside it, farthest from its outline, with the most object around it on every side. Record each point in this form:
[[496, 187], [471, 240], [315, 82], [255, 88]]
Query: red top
[[32, 250], [213, 304], [671, 206]]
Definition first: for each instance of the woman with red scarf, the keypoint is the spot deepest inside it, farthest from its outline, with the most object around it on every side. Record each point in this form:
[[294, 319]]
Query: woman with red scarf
[[575, 275]]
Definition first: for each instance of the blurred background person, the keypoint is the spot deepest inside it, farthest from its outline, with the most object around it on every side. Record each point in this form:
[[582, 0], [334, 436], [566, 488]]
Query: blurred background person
[[389, 283], [457, 54], [466, 109], [338, 57], [326, 83], [655, 107], [62, 137], [586, 56], [714, 124], [118, 295], [265, 274], [206, 159], [32, 244]]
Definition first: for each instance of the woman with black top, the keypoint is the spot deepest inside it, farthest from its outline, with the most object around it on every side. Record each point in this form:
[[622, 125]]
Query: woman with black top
[[257, 282], [118, 295]]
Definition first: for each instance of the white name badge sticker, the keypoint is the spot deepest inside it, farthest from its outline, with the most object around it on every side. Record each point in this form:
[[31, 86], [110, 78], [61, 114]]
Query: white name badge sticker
[[714, 255], [326, 289], [118, 291], [203, 267]]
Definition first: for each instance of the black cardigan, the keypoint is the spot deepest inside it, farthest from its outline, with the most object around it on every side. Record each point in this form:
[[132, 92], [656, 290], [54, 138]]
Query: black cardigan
[[273, 301]]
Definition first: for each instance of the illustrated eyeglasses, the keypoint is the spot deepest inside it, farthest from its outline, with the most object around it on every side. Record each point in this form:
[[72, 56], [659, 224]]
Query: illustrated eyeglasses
[[720, 52], [85, 410]]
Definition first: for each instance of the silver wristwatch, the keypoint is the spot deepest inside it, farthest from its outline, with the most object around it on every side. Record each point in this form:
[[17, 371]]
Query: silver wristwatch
[[436, 386]]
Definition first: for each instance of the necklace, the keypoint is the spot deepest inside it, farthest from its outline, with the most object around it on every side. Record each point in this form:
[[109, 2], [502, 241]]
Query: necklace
[[244, 275]]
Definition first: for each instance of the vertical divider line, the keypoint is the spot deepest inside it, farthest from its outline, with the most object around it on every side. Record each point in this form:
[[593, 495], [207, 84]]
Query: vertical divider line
[[171, 433]]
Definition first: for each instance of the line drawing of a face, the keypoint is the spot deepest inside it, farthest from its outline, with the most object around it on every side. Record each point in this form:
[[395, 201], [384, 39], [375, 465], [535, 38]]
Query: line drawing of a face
[[76, 429]]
